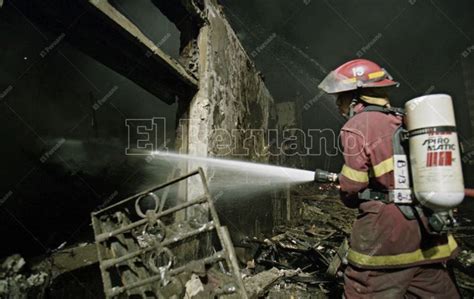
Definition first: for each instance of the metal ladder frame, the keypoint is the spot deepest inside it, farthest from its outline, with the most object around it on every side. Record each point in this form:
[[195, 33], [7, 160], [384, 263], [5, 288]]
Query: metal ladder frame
[[227, 254]]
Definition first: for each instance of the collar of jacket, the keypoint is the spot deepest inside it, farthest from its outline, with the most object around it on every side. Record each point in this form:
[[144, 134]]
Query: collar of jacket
[[358, 108], [375, 100]]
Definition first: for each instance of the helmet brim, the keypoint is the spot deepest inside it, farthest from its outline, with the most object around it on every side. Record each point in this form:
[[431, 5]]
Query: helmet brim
[[336, 83]]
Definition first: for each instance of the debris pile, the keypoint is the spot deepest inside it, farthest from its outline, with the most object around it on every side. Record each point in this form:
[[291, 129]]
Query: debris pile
[[464, 263], [16, 281], [311, 250], [155, 255]]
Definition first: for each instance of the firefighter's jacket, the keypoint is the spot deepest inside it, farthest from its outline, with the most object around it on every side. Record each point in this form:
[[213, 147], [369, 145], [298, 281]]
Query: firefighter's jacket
[[381, 236]]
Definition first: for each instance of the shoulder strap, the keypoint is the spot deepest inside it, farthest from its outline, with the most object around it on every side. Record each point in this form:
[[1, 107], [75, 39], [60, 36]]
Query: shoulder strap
[[388, 110]]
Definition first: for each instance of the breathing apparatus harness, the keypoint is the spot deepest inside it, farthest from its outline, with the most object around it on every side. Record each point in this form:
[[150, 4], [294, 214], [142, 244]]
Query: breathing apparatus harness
[[438, 222]]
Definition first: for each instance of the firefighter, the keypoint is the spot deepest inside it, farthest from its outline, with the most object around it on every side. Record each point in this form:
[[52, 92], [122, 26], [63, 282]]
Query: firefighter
[[392, 253]]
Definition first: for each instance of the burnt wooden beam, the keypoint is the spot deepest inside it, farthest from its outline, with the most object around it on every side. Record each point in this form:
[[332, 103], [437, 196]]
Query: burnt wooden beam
[[96, 28]]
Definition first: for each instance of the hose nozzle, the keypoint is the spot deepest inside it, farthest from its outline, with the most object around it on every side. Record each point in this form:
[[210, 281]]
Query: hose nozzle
[[323, 176]]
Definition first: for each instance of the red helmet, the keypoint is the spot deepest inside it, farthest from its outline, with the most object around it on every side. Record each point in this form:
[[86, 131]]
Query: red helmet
[[357, 73]]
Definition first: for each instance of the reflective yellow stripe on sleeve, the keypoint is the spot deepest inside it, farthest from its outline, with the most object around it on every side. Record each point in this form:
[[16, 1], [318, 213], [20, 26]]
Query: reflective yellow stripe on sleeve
[[383, 167], [355, 175], [433, 253]]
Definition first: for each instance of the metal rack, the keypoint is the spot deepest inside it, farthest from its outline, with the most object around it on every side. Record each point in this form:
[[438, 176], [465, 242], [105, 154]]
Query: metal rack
[[135, 246]]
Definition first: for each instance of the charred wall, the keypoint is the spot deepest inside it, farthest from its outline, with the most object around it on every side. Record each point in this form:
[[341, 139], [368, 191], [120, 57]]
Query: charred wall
[[231, 102]]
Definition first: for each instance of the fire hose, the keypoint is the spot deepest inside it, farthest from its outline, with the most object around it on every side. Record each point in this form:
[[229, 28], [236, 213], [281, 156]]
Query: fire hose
[[323, 176]]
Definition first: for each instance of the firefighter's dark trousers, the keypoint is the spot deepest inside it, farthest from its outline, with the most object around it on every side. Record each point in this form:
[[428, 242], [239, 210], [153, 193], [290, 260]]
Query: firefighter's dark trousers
[[429, 281]]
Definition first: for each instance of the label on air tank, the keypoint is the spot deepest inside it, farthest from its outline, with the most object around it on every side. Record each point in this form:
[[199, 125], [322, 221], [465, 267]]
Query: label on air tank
[[435, 160], [439, 149]]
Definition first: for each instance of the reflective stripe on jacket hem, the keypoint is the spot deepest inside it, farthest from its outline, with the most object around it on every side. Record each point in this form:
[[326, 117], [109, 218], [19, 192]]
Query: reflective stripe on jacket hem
[[417, 256]]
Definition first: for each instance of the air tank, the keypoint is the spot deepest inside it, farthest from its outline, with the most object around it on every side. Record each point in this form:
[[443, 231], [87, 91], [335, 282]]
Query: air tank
[[434, 152]]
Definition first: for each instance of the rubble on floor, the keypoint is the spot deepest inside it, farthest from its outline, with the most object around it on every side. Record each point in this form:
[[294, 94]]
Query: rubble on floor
[[463, 266], [303, 259], [312, 249], [258, 284], [17, 281]]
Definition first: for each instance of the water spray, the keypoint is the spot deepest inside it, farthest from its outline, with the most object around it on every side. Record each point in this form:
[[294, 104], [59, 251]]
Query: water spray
[[278, 174]]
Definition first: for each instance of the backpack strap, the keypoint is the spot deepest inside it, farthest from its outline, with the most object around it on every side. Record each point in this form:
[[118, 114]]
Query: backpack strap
[[384, 109]]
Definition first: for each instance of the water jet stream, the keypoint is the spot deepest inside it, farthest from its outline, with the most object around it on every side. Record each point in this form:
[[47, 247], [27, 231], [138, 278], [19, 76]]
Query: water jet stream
[[277, 174]]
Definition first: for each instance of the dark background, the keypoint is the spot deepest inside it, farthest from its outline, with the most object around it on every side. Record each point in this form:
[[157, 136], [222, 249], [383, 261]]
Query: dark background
[[295, 43], [419, 42]]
